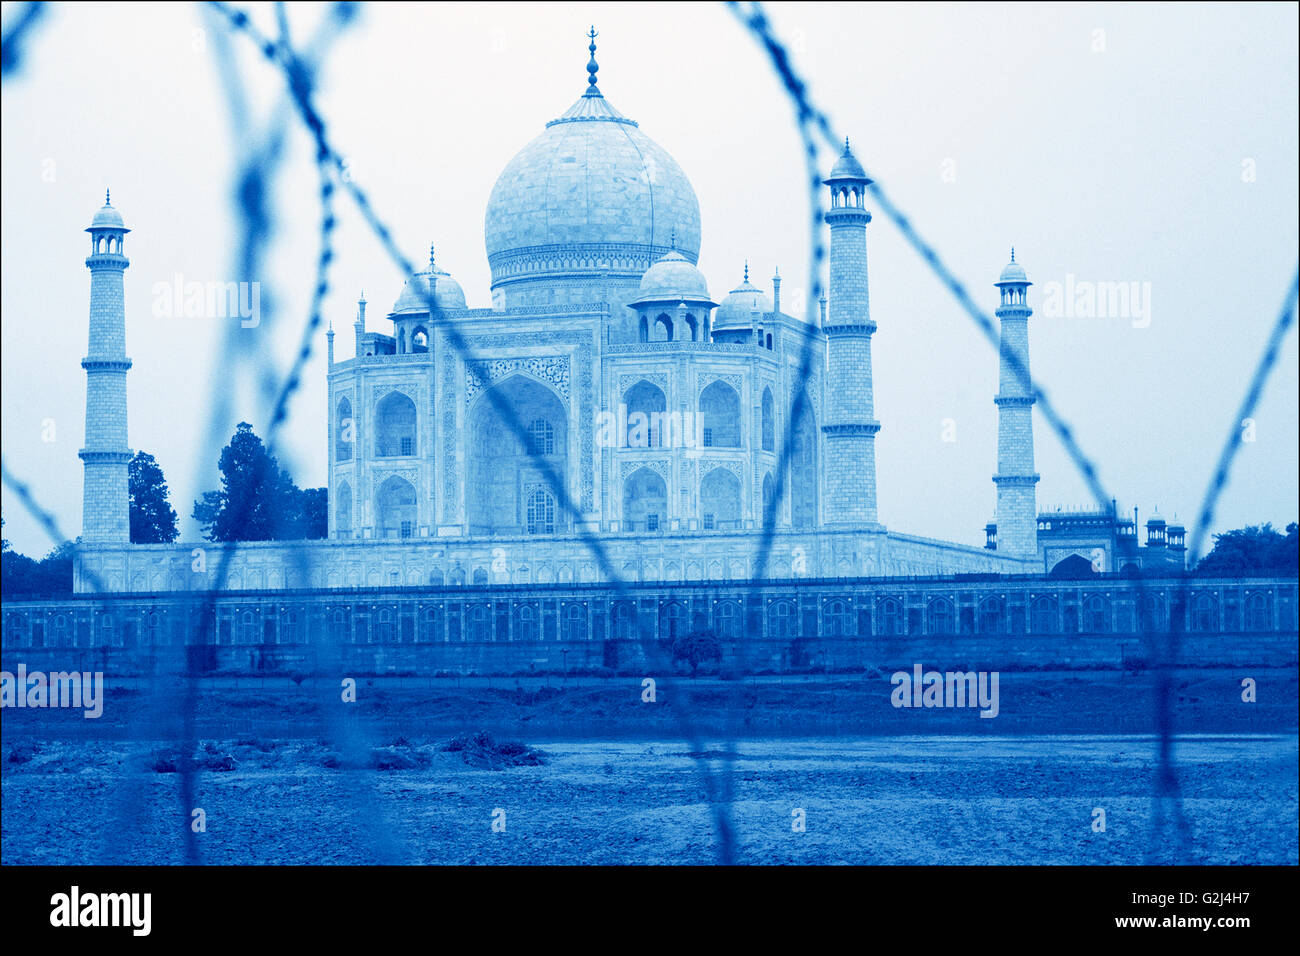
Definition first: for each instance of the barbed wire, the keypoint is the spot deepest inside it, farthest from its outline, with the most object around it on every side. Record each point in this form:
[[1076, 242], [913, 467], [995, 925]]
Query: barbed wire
[[263, 154], [1168, 803], [317, 126], [11, 44]]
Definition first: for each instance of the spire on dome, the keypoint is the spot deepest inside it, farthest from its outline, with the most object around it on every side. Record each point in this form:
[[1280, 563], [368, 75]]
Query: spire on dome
[[672, 239], [592, 67], [431, 268], [107, 202], [746, 270], [1013, 253]]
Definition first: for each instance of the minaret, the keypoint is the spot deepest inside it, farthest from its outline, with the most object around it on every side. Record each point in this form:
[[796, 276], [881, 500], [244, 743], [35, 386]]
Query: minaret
[[1017, 510], [359, 325], [105, 508], [850, 427]]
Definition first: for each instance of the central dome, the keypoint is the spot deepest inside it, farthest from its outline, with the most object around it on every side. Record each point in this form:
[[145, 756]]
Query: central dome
[[583, 210]]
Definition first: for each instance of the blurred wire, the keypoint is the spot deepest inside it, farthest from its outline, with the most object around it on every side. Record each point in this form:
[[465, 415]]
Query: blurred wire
[[259, 158]]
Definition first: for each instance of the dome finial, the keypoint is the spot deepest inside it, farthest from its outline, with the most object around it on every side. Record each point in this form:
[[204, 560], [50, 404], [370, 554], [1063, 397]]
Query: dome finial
[[106, 199], [672, 239], [846, 146], [431, 257], [592, 67], [1013, 253], [746, 270]]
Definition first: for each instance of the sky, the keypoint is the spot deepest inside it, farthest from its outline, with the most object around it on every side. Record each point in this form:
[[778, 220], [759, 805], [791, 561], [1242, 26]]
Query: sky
[[1153, 145]]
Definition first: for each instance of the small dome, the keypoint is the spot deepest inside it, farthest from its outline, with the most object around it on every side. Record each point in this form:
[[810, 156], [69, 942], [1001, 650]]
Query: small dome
[[108, 218], [847, 167], [673, 277], [738, 308], [1014, 272], [415, 298]]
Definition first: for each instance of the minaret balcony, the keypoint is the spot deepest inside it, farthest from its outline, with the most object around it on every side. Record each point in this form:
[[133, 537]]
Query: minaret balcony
[[106, 365], [846, 329], [1013, 401], [846, 215], [99, 260], [99, 456], [1016, 480], [852, 428]]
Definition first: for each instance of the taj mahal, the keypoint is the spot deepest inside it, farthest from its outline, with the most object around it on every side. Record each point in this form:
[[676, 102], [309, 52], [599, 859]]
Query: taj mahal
[[609, 394]]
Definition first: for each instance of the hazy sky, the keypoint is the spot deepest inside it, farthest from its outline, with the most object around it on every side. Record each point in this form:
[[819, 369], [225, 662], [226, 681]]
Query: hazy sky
[[1112, 143]]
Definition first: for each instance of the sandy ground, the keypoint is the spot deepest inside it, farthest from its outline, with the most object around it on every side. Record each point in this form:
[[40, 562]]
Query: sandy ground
[[900, 799]]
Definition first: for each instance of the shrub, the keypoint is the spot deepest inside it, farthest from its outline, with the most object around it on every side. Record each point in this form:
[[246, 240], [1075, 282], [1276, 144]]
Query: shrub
[[391, 758], [695, 648], [23, 753], [483, 750]]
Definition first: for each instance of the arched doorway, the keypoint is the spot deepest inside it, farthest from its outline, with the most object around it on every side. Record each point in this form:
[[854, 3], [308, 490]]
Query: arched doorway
[[395, 508], [508, 491], [1072, 568], [803, 469], [395, 426], [646, 404], [720, 501], [720, 416], [645, 501]]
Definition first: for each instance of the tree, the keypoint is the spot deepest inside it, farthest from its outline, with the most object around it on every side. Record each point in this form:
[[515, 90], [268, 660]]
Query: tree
[[55, 574], [21, 576], [17, 571], [695, 648], [258, 500], [313, 513], [153, 520], [1257, 549]]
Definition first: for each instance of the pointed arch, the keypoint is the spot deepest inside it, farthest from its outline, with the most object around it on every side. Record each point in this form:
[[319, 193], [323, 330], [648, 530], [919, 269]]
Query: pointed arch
[[645, 501], [662, 329], [505, 471], [720, 500], [343, 510], [395, 426], [395, 508], [646, 404], [344, 430], [720, 416], [803, 475], [768, 421]]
